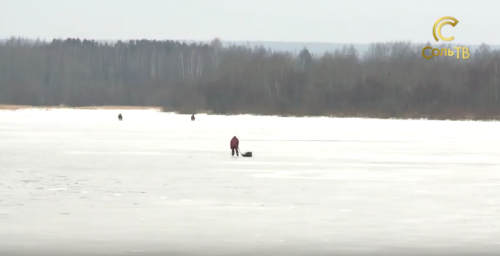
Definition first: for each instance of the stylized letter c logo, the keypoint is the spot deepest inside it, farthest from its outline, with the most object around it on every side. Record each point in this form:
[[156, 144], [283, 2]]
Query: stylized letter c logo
[[453, 24]]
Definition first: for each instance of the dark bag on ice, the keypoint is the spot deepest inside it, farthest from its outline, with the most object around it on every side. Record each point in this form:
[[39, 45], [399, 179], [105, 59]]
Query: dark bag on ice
[[247, 154]]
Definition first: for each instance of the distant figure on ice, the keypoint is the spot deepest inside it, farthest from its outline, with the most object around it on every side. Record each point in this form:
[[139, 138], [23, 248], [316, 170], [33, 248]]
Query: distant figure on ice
[[235, 146], [120, 117], [192, 117]]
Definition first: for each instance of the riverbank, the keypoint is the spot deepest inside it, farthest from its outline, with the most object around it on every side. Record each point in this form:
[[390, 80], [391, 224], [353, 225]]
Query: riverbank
[[444, 116], [22, 107]]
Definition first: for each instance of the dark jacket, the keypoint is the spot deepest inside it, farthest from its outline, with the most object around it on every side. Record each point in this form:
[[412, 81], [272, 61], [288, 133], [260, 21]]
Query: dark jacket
[[235, 142]]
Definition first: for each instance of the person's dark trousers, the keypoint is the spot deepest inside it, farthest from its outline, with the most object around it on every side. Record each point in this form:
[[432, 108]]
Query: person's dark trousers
[[235, 149]]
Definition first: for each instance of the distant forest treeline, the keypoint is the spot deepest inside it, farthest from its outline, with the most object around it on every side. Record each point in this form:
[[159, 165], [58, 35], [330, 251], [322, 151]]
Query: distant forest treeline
[[389, 80]]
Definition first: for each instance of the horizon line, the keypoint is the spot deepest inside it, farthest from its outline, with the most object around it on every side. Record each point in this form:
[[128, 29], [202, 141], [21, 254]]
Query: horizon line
[[241, 41]]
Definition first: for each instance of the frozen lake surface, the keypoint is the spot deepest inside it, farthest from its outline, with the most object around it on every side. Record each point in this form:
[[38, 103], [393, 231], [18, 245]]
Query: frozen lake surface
[[79, 182]]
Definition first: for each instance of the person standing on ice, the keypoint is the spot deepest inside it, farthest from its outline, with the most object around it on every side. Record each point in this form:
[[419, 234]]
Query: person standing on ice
[[235, 146]]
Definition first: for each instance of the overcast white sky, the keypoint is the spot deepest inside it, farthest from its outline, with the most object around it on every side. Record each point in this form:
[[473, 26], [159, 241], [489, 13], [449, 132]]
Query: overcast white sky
[[346, 21]]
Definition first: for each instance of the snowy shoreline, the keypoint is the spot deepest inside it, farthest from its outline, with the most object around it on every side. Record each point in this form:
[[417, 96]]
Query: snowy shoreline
[[17, 108]]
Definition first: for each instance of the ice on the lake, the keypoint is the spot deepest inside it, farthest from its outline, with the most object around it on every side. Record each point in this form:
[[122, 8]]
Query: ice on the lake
[[418, 185], [137, 251], [57, 189], [279, 241]]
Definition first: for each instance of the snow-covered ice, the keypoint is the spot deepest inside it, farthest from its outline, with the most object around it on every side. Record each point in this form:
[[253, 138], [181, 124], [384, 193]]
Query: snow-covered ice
[[80, 181]]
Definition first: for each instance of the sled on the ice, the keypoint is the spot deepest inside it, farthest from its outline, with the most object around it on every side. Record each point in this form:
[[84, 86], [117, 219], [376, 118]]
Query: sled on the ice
[[247, 154]]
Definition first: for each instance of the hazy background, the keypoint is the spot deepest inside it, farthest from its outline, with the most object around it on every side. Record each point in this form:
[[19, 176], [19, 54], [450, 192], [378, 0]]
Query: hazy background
[[374, 66], [354, 21]]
